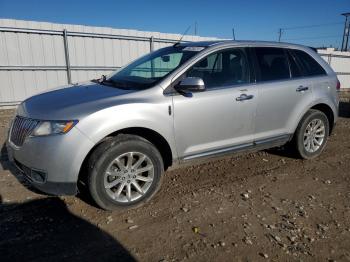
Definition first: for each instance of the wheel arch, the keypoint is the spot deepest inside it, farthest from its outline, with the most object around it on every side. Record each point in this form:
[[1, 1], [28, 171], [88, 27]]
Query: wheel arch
[[327, 110], [152, 136], [324, 108]]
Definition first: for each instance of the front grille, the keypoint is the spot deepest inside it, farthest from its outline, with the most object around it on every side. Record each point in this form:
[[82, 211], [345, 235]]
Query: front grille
[[22, 127]]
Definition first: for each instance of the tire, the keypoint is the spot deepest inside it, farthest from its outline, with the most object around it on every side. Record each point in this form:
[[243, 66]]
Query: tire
[[109, 164], [303, 142]]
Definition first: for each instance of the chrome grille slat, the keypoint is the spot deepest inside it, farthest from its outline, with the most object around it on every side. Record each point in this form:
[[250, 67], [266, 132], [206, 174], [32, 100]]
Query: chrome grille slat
[[22, 127], [14, 128], [18, 127]]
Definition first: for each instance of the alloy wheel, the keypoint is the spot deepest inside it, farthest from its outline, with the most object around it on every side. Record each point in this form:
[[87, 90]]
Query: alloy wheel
[[314, 135], [129, 177]]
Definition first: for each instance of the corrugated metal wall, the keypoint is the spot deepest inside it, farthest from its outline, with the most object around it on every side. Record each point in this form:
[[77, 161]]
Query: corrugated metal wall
[[340, 63], [33, 58]]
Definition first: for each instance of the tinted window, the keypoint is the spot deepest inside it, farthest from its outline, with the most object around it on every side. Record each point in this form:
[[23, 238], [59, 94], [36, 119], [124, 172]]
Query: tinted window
[[294, 67], [309, 65], [229, 67], [273, 63]]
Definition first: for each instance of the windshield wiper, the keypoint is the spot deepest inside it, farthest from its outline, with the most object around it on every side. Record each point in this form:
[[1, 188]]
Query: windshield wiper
[[109, 82], [104, 81], [103, 78]]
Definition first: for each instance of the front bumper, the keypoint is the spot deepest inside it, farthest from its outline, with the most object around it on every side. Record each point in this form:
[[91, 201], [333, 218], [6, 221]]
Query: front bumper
[[52, 163]]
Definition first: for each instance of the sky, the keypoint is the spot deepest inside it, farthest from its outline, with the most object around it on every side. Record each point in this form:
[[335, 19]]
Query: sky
[[251, 20]]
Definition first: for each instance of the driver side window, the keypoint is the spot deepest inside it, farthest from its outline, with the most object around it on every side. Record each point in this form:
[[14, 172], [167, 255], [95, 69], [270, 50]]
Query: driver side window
[[223, 68]]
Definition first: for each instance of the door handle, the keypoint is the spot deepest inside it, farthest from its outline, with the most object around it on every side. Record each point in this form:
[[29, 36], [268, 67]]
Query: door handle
[[302, 88], [243, 97]]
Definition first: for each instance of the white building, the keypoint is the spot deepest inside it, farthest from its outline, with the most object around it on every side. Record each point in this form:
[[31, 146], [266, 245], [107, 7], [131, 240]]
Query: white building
[[340, 62]]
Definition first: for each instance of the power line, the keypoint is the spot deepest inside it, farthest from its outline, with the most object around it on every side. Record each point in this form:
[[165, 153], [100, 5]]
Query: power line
[[313, 37], [283, 31], [311, 26]]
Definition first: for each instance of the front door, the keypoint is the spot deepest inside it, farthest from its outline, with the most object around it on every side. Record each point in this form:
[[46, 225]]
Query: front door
[[221, 117]]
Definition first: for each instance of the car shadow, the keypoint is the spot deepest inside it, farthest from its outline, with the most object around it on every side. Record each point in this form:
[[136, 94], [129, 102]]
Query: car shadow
[[283, 151], [344, 109], [45, 230], [3, 157]]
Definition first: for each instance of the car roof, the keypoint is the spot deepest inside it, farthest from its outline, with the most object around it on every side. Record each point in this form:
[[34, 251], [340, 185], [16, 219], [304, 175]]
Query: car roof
[[241, 43]]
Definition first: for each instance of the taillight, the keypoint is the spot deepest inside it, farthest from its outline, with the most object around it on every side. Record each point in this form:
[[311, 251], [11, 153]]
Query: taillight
[[338, 85]]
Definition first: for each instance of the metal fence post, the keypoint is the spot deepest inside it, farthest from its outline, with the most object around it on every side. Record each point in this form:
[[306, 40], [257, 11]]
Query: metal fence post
[[66, 53], [151, 44], [151, 47]]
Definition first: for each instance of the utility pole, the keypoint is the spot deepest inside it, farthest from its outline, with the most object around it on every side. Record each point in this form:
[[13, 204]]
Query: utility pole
[[344, 46], [195, 28], [279, 34], [233, 33]]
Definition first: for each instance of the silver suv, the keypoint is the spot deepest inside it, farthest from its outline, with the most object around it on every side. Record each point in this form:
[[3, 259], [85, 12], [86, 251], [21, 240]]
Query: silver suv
[[118, 134]]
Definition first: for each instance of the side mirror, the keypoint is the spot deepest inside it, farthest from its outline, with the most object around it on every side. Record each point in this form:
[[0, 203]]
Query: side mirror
[[191, 84]]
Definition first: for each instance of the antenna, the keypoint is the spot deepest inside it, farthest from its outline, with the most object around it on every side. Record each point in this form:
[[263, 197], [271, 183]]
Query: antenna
[[233, 33], [178, 42], [280, 31]]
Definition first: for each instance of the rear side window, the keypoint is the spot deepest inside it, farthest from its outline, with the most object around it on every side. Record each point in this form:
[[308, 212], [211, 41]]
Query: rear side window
[[273, 63], [309, 65]]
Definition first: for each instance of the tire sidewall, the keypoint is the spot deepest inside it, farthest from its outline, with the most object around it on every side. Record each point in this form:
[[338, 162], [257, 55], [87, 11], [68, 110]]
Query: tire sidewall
[[311, 115], [102, 162]]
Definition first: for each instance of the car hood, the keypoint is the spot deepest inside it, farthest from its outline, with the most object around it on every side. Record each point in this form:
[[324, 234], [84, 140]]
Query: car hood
[[72, 102]]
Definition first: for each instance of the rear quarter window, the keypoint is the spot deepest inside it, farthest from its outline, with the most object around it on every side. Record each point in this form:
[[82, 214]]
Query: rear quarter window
[[308, 65]]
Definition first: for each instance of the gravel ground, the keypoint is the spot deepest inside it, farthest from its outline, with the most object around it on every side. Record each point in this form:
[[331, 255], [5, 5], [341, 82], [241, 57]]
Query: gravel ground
[[264, 206]]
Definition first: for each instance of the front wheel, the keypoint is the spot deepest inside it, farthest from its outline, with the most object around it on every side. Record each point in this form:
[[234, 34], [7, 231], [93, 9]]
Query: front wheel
[[311, 135], [124, 172]]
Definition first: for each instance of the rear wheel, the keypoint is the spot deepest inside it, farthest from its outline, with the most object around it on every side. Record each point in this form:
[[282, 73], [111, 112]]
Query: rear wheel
[[311, 135], [124, 172]]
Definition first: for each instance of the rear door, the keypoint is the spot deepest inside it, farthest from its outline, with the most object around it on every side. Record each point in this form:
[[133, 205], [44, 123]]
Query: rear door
[[222, 116], [283, 92], [312, 70]]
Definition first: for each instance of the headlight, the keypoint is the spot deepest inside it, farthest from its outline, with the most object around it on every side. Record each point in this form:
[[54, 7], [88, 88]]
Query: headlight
[[45, 128]]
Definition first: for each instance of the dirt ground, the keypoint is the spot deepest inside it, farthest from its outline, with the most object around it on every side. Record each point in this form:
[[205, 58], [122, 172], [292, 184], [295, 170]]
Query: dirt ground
[[264, 206]]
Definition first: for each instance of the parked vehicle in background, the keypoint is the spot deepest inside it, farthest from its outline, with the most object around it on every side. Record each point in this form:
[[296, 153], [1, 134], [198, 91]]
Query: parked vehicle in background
[[117, 135]]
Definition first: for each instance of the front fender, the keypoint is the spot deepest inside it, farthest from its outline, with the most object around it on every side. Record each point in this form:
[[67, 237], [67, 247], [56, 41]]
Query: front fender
[[153, 116]]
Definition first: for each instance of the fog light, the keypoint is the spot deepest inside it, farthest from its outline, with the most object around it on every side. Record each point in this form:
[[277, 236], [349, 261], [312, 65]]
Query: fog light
[[38, 176]]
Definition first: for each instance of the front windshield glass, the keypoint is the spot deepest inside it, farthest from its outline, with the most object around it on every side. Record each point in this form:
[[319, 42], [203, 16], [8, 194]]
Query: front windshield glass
[[150, 69]]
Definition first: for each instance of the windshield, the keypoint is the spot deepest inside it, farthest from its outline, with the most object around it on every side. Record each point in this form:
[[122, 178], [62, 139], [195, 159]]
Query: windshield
[[150, 69]]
